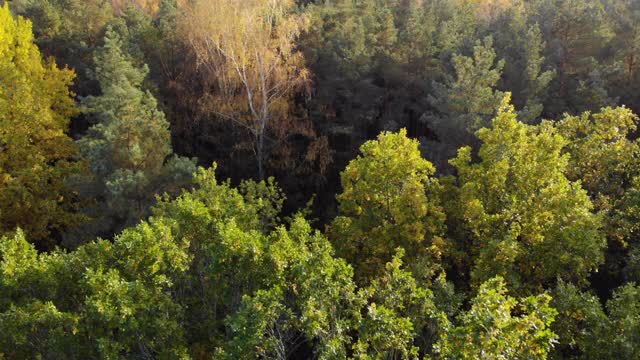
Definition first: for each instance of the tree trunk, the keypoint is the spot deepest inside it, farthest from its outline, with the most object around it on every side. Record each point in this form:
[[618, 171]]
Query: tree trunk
[[260, 149], [260, 156]]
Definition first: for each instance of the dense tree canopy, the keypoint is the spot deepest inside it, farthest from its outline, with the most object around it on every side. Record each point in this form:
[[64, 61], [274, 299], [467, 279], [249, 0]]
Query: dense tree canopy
[[405, 179], [200, 276]]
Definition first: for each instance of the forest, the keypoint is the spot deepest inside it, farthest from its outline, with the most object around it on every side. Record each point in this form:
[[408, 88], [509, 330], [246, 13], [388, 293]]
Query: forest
[[320, 179]]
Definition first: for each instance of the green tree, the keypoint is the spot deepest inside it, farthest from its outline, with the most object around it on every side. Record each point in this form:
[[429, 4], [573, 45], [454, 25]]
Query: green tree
[[621, 338], [459, 23], [521, 44], [36, 154], [526, 221], [389, 200], [464, 102], [469, 100], [70, 31], [579, 313], [624, 226], [602, 155], [492, 330], [536, 81], [254, 288], [76, 21], [576, 32], [586, 329], [106, 300], [400, 318], [311, 297], [604, 159], [129, 146], [624, 19], [357, 35], [417, 37]]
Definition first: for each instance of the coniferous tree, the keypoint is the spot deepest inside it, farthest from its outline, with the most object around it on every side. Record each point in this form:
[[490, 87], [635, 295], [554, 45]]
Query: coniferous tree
[[128, 147], [624, 18], [465, 102], [70, 30], [536, 81], [458, 25], [469, 100], [576, 33]]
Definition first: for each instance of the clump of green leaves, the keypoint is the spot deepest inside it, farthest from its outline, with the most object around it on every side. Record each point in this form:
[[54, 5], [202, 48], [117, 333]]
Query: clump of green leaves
[[490, 329], [390, 199], [527, 221]]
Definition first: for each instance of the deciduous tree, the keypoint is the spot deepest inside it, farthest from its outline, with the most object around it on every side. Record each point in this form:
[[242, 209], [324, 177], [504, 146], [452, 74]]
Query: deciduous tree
[[36, 154], [249, 46], [498, 326], [400, 318], [527, 221], [594, 331], [390, 199]]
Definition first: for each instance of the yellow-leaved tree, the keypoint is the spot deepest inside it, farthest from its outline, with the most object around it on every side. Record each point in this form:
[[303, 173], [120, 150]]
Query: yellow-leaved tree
[[36, 154]]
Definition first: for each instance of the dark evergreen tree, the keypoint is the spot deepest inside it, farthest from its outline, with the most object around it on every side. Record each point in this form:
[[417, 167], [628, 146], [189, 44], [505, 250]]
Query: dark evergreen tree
[[465, 102], [128, 147]]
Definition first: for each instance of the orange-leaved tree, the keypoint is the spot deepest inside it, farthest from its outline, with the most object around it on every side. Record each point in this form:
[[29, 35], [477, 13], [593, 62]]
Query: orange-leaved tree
[[249, 48]]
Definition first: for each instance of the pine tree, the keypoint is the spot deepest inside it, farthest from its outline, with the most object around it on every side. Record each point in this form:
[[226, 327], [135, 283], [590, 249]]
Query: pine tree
[[577, 32], [535, 80], [469, 100], [465, 102], [130, 140], [70, 31]]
